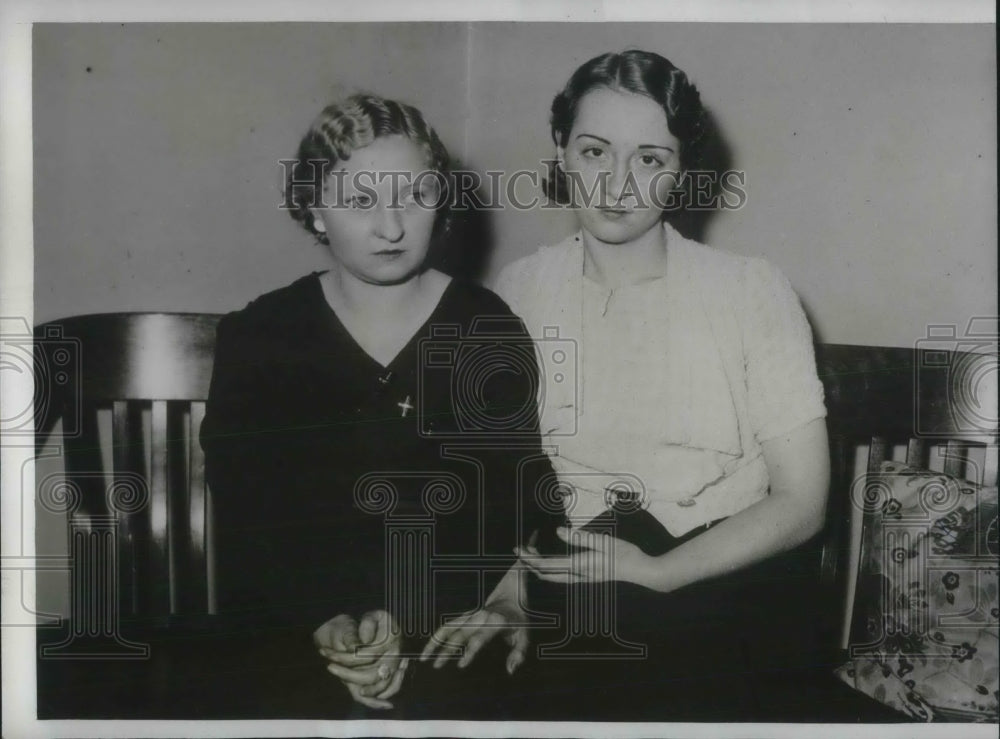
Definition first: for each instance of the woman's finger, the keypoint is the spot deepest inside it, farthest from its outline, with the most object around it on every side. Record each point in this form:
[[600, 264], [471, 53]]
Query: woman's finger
[[372, 623], [458, 639], [439, 638], [376, 651], [519, 641], [444, 634], [490, 626], [354, 677], [366, 701], [348, 638], [386, 670], [366, 628], [542, 563], [532, 543], [339, 633], [474, 643], [563, 578], [396, 682], [446, 652], [349, 659]]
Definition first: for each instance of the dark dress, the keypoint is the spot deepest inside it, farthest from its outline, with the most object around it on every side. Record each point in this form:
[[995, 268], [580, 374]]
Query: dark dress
[[342, 486]]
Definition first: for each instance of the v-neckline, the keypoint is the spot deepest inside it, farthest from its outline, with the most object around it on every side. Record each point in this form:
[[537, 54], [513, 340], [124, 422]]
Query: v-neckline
[[341, 327]]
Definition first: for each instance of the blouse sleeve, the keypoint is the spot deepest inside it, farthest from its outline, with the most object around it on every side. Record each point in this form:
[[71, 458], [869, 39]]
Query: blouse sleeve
[[783, 389]]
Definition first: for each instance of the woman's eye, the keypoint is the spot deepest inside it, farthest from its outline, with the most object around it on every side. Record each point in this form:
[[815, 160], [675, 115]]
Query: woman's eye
[[649, 160], [360, 202], [593, 152]]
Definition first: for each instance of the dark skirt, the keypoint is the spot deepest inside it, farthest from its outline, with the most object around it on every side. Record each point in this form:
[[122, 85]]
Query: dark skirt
[[622, 652]]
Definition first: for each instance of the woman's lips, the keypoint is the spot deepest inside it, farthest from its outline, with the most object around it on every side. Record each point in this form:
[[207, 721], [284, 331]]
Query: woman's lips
[[614, 214]]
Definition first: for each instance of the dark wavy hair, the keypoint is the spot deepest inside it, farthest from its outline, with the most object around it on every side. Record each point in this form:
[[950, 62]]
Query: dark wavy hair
[[640, 72], [349, 124]]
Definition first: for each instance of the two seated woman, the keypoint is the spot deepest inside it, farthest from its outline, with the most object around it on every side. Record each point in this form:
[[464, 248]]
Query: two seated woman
[[620, 550]]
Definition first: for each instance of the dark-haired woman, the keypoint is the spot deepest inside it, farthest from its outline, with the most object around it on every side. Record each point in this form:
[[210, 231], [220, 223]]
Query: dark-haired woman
[[338, 426], [692, 450]]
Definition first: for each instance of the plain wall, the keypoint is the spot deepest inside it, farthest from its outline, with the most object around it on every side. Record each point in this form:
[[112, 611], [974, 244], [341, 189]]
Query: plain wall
[[870, 153]]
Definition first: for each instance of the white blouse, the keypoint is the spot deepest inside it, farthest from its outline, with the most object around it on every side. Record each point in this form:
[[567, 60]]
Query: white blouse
[[667, 387]]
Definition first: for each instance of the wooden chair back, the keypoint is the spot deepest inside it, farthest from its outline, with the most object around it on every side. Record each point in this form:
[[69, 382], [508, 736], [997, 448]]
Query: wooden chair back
[[151, 373]]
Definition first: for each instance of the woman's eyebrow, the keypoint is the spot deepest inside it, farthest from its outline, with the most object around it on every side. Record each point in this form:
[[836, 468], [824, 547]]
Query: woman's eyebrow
[[641, 146]]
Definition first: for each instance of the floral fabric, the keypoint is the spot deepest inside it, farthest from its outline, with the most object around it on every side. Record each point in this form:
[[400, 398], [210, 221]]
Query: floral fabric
[[926, 611]]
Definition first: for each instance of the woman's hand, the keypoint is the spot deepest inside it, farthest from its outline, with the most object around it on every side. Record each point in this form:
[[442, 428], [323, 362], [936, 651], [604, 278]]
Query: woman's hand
[[470, 632], [365, 656], [598, 558]]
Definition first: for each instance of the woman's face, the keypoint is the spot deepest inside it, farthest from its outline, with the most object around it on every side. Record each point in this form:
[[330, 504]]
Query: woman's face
[[380, 212], [621, 153]]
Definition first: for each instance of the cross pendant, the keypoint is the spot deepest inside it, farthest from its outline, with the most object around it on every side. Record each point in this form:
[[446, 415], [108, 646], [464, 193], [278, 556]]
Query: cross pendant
[[405, 405]]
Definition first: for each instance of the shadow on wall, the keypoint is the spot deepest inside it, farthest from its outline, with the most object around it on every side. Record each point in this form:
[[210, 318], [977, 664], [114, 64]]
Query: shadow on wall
[[465, 249], [716, 159], [694, 223]]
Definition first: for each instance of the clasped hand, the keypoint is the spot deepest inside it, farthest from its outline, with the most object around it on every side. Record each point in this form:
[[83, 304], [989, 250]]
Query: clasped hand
[[365, 656], [598, 557]]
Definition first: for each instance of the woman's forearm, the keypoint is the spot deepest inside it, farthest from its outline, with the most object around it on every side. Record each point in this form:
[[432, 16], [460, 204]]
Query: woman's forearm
[[793, 512], [511, 588], [754, 534]]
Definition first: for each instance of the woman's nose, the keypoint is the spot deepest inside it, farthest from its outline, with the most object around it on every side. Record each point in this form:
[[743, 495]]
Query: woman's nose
[[388, 222], [616, 181]]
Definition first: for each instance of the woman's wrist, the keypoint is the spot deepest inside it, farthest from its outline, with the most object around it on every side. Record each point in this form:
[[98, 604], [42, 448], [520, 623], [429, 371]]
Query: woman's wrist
[[655, 573], [506, 606]]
